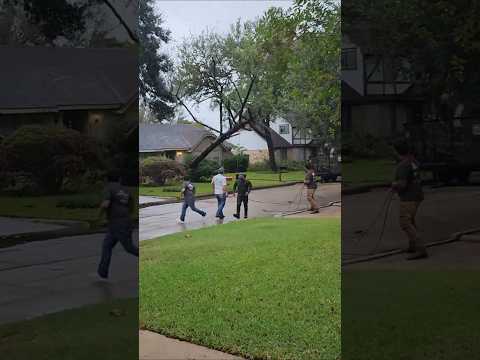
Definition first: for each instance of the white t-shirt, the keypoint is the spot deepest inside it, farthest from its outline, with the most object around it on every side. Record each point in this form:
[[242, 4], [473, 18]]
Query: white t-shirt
[[219, 181]]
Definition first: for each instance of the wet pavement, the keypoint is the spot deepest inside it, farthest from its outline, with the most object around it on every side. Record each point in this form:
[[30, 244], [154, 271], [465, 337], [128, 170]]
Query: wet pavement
[[162, 220], [49, 276], [444, 212]]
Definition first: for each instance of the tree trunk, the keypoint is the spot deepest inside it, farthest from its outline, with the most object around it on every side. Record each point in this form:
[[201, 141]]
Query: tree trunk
[[263, 129], [223, 137]]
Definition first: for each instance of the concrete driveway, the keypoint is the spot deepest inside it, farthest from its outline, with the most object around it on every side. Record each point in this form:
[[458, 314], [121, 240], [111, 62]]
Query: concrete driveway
[[162, 220]]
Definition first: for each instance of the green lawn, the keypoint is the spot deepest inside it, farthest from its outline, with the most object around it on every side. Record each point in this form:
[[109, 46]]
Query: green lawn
[[98, 332], [415, 315], [81, 207], [258, 179], [264, 289], [367, 171]]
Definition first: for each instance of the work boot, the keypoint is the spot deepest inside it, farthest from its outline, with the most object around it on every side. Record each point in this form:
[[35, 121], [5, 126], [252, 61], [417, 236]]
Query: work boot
[[420, 254]]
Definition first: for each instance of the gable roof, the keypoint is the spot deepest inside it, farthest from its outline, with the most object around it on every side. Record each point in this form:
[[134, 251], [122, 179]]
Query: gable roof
[[40, 79], [164, 137]]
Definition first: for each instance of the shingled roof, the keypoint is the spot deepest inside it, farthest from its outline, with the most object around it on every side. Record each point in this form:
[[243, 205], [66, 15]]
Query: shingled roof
[[165, 137], [36, 79]]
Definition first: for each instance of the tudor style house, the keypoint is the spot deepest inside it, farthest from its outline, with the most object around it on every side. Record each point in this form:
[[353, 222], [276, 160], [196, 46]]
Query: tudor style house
[[89, 90], [376, 100]]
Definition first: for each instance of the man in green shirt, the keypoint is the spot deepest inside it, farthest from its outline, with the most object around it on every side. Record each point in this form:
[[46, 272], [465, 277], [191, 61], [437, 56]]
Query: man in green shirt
[[408, 186]]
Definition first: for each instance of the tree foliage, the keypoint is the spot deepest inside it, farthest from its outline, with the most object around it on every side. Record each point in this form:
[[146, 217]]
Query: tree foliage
[[435, 43], [154, 64]]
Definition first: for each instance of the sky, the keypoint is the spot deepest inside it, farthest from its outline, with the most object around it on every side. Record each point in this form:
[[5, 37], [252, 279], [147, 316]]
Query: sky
[[184, 18]]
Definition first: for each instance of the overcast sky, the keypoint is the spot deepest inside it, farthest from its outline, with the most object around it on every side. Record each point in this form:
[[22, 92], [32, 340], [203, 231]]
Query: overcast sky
[[184, 18]]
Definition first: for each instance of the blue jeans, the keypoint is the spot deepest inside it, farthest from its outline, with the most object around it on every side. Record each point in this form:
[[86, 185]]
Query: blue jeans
[[190, 204], [116, 233], [221, 200]]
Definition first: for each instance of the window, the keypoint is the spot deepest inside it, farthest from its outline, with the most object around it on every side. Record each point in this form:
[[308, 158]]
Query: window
[[349, 59], [284, 129]]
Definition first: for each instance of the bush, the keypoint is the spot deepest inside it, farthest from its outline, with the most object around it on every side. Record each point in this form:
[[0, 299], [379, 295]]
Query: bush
[[160, 169], [88, 202], [292, 165], [49, 157], [204, 171], [364, 146], [237, 163], [260, 166]]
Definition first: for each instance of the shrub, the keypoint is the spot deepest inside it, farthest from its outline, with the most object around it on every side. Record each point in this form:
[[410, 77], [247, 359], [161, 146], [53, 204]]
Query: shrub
[[48, 157], [260, 166], [160, 169], [204, 171], [364, 146], [88, 202], [292, 165], [237, 163]]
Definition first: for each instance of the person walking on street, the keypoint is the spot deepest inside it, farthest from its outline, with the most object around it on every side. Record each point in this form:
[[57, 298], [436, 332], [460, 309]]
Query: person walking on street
[[188, 192], [242, 188], [311, 185], [118, 204], [408, 186], [219, 186]]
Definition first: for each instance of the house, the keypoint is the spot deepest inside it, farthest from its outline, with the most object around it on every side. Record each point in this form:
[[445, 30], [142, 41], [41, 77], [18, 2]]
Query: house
[[289, 142], [176, 140], [375, 99], [89, 89]]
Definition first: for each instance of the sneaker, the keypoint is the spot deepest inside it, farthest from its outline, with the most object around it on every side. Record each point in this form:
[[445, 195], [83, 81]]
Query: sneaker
[[245, 217], [418, 255], [204, 214], [180, 221], [410, 250], [236, 216], [314, 211]]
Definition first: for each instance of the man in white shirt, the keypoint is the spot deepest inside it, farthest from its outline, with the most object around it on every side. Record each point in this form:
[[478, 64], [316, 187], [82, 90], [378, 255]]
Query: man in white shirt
[[219, 186]]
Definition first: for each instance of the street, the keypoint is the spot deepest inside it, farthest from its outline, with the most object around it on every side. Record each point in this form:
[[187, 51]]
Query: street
[[162, 220], [445, 211], [49, 276]]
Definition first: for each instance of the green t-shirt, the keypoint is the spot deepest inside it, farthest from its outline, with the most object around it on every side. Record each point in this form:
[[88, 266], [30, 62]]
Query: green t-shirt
[[409, 172]]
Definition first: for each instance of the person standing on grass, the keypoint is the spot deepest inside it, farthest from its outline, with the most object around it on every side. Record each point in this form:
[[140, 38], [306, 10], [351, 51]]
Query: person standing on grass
[[188, 193], [311, 185], [219, 186], [118, 204], [242, 188], [408, 186]]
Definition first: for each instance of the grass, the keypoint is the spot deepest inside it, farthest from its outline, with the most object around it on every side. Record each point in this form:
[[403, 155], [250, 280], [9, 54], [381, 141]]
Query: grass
[[367, 171], [263, 289], [97, 332], [258, 179], [415, 315], [79, 207]]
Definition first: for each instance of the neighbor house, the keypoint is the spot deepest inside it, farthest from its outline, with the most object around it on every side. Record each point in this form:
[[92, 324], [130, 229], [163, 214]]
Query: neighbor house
[[375, 99], [89, 89], [290, 143], [176, 140]]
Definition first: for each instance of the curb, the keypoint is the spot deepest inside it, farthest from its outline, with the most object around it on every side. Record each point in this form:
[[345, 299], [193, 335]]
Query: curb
[[453, 238], [211, 196]]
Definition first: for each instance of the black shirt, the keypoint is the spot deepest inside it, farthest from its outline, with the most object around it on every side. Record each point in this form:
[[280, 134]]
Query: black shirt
[[408, 171]]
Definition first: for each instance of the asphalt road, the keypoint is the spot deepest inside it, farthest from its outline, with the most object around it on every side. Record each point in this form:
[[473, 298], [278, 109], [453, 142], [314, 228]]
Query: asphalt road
[[445, 211], [53, 275], [162, 220]]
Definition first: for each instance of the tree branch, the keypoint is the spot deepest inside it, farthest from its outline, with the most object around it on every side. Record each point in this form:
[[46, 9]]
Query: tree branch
[[130, 32], [194, 118]]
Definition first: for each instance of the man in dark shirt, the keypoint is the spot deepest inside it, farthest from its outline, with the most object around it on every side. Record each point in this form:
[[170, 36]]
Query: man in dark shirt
[[188, 192], [118, 204], [311, 185], [408, 186], [242, 188]]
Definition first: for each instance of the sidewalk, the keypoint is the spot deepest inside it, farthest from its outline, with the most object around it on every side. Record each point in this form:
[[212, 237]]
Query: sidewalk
[[158, 347]]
